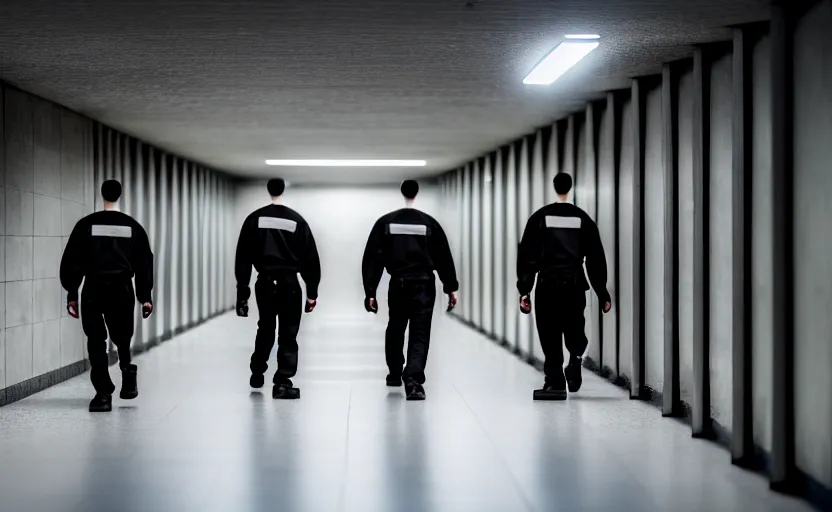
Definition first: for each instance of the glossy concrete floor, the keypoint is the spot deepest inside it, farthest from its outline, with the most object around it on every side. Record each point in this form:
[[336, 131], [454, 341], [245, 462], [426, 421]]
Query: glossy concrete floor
[[198, 438]]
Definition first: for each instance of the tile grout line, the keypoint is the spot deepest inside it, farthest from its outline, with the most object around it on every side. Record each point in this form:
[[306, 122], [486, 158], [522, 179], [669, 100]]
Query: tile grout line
[[525, 498]]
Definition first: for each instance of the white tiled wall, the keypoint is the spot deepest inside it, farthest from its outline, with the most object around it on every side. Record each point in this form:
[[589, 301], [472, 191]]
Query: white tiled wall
[[45, 172]]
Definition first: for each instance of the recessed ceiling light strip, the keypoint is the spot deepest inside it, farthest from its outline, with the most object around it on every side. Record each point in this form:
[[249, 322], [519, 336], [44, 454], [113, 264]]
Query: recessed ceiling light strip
[[561, 59], [347, 163], [583, 36]]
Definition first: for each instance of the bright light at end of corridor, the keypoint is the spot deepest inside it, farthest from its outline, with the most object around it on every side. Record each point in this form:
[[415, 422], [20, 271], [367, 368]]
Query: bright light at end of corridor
[[558, 62], [348, 163]]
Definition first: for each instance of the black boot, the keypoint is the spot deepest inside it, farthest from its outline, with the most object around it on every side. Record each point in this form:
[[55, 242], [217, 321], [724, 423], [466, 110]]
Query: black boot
[[285, 391], [394, 381], [550, 392], [415, 391], [572, 372], [129, 383], [256, 381], [101, 403]]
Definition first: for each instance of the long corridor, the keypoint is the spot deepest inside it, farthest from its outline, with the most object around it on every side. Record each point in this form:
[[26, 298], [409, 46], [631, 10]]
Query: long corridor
[[198, 438]]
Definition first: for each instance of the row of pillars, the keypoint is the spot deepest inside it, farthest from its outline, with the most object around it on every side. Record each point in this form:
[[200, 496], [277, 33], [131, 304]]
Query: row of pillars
[[782, 457]]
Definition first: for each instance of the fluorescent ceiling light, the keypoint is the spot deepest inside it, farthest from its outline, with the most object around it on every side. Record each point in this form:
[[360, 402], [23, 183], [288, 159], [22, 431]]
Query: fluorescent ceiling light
[[558, 62], [348, 163], [583, 36]]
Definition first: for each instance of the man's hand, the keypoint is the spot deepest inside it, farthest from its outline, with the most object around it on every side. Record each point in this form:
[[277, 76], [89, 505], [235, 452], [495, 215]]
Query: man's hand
[[526, 304], [451, 301], [310, 305], [371, 305], [72, 308], [607, 307], [147, 309], [242, 308]]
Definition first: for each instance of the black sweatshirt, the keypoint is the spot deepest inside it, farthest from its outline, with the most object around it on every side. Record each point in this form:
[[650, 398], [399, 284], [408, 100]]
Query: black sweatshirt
[[108, 245], [276, 240], [557, 239], [407, 242]]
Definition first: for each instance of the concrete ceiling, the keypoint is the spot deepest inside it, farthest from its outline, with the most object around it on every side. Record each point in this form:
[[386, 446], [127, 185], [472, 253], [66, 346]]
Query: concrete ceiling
[[230, 83]]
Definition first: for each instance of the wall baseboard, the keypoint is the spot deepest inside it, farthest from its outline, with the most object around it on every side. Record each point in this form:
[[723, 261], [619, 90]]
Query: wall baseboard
[[37, 384]]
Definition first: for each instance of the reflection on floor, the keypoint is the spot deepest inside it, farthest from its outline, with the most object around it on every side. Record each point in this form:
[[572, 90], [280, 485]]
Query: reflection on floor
[[198, 438]]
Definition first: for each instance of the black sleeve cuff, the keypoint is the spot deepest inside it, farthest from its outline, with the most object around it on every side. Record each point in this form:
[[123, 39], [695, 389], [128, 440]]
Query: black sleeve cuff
[[311, 293], [243, 293], [525, 288], [451, 288], [72, 297]]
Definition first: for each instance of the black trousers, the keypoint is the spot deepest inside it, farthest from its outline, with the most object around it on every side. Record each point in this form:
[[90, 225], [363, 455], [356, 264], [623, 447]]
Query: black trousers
[[559, 314], [277, 299], [107, 306], [410, 301]]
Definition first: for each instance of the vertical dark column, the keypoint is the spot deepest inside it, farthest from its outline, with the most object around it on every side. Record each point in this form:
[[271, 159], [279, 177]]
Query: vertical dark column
[[153, 230], [639, 125], [492, 271], [670, 141], [594, 112], [492, 311], [546, 159], [468, 252], [782, 441], [212, 231], [504, 274], [167, 202], [574, 143], [206, 242], [196, 242], [477, 246], [614, 102], [220, 214], [160, 266], [200, 198], [101, 155], [742, 439], [460, 252], [701, 416], [185, 295], [525, 207], [515, 159], [134, 178]]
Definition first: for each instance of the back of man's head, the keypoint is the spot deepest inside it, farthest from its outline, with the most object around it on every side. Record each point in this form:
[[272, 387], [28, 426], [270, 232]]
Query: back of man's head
[[563, 183], [276, 187], [111, 191], [410, 189]]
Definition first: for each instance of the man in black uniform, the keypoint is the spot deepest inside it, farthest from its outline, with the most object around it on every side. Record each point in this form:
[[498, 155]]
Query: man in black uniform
[[410, 244], [555, 242], [277, 241], [106, 250]]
